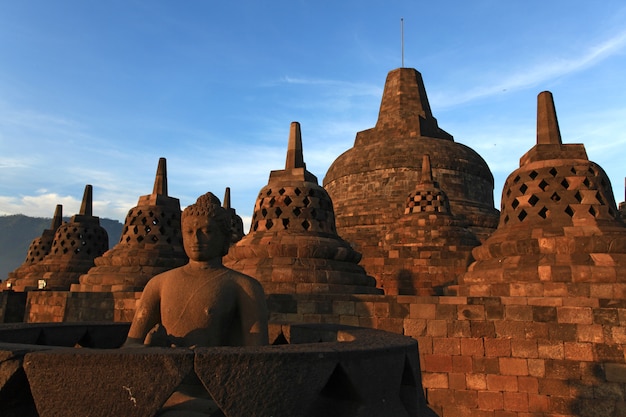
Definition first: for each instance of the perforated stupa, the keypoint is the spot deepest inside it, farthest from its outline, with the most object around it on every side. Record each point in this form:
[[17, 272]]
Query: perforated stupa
[[293, 246]]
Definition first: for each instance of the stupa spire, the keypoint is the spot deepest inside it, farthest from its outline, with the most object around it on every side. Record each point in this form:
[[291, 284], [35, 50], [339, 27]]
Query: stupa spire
[[57, 219], [405, 108], [548, 132], [86, 207], [427, 172], [226, 203], [295, 158], [160, 182]]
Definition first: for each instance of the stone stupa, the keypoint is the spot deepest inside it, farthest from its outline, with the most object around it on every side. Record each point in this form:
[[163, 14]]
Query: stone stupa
[[560, 233], [38, 249], [236, 222], [370, 181], [151, 243], [428, 248], [75, 246], [293, 246]]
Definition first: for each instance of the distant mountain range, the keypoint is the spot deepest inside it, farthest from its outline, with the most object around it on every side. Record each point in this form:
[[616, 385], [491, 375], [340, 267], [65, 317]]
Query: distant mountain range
[[18, 231]]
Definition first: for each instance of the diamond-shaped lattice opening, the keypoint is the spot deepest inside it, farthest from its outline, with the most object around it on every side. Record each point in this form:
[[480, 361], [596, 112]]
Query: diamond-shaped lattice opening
[[533, 200], [516, 179], [155, 221], [147, 229], [255, 226], [151, 213], [573, 170], [268, 192], [533, 174], [268, 224], [592, 211], [515, 203], [339, 395], [288, 200], [297, 191], [600, 199], [297, 211], [143, 220], [508, 192], [522, 215], [578, 197], [272, 202], [154, 238], [278, 211], [564, 183], [135, 230], [77, 250], [544, 213], [543, 184], [306, 225], [281, 191], [569, 211], [553, 172], [140, 239], [306, 201], [586, 182], [311, 192], [591, 171], [555, 197], [264, 212], [286, 223], [127, 239], [523, 188]]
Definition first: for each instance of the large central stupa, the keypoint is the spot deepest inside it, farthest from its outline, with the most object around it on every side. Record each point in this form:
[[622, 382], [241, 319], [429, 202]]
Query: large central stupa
[[370, 182]]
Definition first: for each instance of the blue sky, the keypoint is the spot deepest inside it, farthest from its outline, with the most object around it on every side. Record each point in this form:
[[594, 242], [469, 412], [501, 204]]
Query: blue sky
[[94, 92]]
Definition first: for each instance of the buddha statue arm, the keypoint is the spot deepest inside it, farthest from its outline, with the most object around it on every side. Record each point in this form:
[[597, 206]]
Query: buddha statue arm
[[253, 313], [147, 316]]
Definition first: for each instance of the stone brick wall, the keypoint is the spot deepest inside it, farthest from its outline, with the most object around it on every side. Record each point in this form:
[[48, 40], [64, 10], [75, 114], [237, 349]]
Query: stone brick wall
[[518, 356], [64, 306], [497, 356]]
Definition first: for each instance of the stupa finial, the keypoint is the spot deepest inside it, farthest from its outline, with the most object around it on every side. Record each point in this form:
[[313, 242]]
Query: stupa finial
[[226, 203], [547, 124], [295, 158], [57, 219], [160, 182], [427, 172], [86, 208]]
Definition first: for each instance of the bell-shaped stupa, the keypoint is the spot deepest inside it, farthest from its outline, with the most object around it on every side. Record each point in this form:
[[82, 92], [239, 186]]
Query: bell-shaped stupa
[[293, 246], [38, 249], [560, 232], [75, 246], [370, 181], [428, 248], [151, 243]]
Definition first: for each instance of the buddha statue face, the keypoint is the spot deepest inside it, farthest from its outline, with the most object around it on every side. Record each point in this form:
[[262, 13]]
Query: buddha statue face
[[206, 229], [203, 239]]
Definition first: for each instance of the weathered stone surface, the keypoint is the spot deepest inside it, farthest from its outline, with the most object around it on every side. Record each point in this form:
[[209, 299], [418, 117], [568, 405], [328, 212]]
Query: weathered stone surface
[[121, 382], [369, 183], [293, 246], [151, 243]]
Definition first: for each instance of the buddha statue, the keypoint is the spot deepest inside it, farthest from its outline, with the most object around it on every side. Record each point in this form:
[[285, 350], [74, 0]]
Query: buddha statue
[[202, 303]]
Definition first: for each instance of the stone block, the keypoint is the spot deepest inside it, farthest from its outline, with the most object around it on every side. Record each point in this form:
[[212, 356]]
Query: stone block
[[489, 400], [502, 382], [513, 366], [124, 382], [615, 372]]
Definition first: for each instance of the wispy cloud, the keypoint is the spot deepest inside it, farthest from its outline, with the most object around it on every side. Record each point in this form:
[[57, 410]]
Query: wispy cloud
[[537, 74]]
